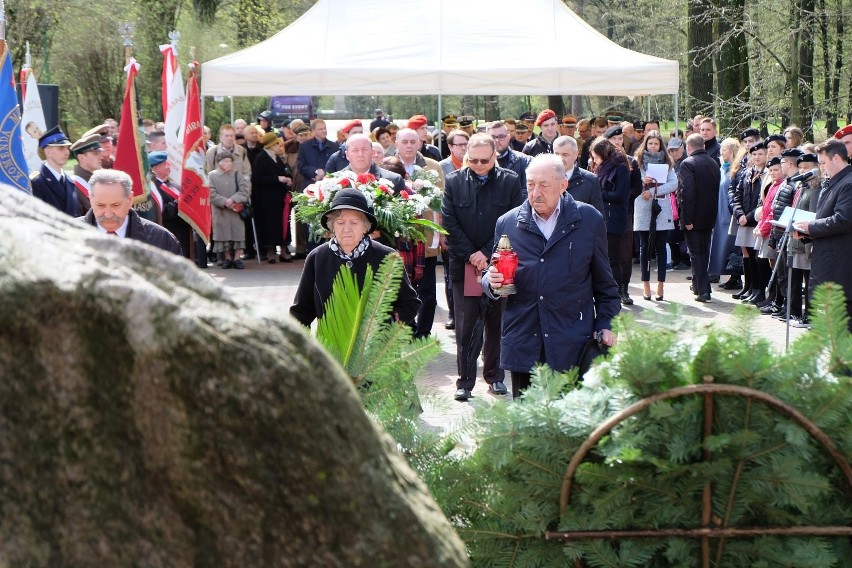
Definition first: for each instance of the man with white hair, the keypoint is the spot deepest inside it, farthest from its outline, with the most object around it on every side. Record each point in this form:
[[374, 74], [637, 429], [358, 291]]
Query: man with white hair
[[359, 152], [112, 212], [583, 185], [565, 289]]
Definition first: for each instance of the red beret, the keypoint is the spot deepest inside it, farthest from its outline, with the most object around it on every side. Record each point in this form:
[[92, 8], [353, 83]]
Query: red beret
[[544, 115], [845, 131], [350, 125], [417, 121]]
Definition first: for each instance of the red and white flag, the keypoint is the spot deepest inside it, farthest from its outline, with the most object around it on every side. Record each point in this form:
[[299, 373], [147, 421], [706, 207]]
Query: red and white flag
[[127, 152], [174, 110], [194, 204]]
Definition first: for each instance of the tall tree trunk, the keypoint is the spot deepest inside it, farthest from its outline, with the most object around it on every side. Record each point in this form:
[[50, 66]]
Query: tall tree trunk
[[796, 102], [733, 67], [557, 104], [699, 76], [830, 95], [492, 108], [805, 85]]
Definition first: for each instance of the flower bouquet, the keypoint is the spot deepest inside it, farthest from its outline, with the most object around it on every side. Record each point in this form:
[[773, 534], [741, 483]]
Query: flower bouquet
[[397, 215]]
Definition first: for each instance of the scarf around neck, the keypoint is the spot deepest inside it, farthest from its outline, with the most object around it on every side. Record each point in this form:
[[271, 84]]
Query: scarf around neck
[[649, 157], [358, 251]]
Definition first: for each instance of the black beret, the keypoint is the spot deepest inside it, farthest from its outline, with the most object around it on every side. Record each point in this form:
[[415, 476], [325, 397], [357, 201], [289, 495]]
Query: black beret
[[776, 138], [791, 153], [749, 132], [613, 131], [807, 158], [758, 146], [774, 161]]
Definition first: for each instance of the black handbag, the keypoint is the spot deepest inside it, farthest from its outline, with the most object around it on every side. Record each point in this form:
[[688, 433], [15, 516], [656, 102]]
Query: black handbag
[[592, 349]]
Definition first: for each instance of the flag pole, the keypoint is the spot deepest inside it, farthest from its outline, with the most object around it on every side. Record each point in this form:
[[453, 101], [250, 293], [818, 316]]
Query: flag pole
[[2, 20]]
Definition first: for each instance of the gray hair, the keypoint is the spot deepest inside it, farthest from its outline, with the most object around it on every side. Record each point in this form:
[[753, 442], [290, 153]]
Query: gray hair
[[551, 160], [481, 139], [333, 215], [566, 141], [112, 177]]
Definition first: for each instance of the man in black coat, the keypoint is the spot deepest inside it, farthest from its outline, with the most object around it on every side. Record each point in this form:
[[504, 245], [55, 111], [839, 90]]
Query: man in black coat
[[51, 184], [169, 197], [583, 185], [697, 203], [112, 212], [831, 230], [314, 155], [474, 198]]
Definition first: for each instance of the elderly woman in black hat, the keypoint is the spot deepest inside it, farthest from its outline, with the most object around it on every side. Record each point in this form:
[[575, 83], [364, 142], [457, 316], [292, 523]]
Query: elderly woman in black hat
[[350, 219]]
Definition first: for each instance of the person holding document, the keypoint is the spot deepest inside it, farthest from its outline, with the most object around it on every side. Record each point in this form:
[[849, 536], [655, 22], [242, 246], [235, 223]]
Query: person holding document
[[659, 180], [831, 231]]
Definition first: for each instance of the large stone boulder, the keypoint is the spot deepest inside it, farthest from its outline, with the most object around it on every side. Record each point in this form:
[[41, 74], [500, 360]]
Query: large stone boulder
[[149, 419]]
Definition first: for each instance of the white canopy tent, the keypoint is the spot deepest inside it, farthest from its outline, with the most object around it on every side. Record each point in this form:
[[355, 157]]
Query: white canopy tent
[[438, 47]]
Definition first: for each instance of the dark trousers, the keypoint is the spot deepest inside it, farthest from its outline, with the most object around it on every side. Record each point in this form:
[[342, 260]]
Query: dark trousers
[[660, 241], [698, 243], [780, 281], [675, 241], [426, 287], [627, 255], [466, 310], [448, 284], [613, 249], [797, 278]]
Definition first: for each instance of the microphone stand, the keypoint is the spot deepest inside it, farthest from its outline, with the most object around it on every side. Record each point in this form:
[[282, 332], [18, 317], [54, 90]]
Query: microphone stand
[[784, 245]]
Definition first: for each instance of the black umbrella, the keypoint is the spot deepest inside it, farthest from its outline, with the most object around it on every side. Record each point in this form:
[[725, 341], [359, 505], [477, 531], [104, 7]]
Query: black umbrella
[[652, 228], [471, 351]]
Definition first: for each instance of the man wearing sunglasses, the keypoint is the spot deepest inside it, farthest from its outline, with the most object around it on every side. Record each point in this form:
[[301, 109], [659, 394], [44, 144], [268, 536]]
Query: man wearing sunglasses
[[474, 198]]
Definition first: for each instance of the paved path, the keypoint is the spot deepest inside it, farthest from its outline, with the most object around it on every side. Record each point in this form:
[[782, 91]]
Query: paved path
[[268, 285]]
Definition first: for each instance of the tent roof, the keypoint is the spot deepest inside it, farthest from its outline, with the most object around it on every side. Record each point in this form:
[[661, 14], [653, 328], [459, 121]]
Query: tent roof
[[439, 47]]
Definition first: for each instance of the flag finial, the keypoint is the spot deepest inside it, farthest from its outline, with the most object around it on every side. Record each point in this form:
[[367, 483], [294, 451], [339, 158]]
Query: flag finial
[[174, 37], [125, 30], [2, 19], [28, 58]]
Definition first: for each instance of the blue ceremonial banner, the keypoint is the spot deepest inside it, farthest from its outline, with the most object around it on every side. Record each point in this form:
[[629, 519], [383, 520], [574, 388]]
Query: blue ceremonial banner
[[13, 165]]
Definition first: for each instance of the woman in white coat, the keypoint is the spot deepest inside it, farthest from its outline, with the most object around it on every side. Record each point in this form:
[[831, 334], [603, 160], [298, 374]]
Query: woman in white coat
[[653, 151]]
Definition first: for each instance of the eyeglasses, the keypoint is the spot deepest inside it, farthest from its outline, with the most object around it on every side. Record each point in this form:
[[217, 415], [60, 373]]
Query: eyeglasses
[[460, 145], [478, 162], [499, 136]]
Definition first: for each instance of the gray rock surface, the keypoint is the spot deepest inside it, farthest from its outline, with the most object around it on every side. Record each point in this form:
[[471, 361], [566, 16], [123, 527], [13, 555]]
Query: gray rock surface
[[148, 419]]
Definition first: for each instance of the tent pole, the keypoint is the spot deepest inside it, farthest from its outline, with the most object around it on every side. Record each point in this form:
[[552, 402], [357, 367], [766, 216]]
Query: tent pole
[[202, 110], [648, 117], [439, 107], [675, 113], [232, 109]]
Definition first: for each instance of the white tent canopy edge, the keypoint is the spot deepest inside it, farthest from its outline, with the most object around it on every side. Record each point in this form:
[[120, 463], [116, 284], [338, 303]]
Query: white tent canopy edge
[[440, 47]]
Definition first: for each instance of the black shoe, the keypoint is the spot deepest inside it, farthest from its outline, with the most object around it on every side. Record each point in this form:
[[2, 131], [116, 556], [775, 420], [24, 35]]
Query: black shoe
[[703, 298], [681, 266], [227, 264], [768, 309], [497, 387], [285, 258], [758, 298], [238, 264], [451, 324], [747, 298], [765, 302], [201, 264], [732, 284], [741, 294], [625, 299], [462, 395], [714, 280]]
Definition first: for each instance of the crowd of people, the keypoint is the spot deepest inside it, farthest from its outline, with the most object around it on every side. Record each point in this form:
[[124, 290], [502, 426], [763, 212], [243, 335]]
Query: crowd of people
[[581, 201]]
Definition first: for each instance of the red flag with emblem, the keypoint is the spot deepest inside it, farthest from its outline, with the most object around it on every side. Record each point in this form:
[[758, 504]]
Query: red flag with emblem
[[127, 152], [194, 204]]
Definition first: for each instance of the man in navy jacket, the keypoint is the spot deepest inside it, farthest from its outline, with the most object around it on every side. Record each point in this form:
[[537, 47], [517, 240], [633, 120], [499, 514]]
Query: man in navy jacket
[[565, 289]]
